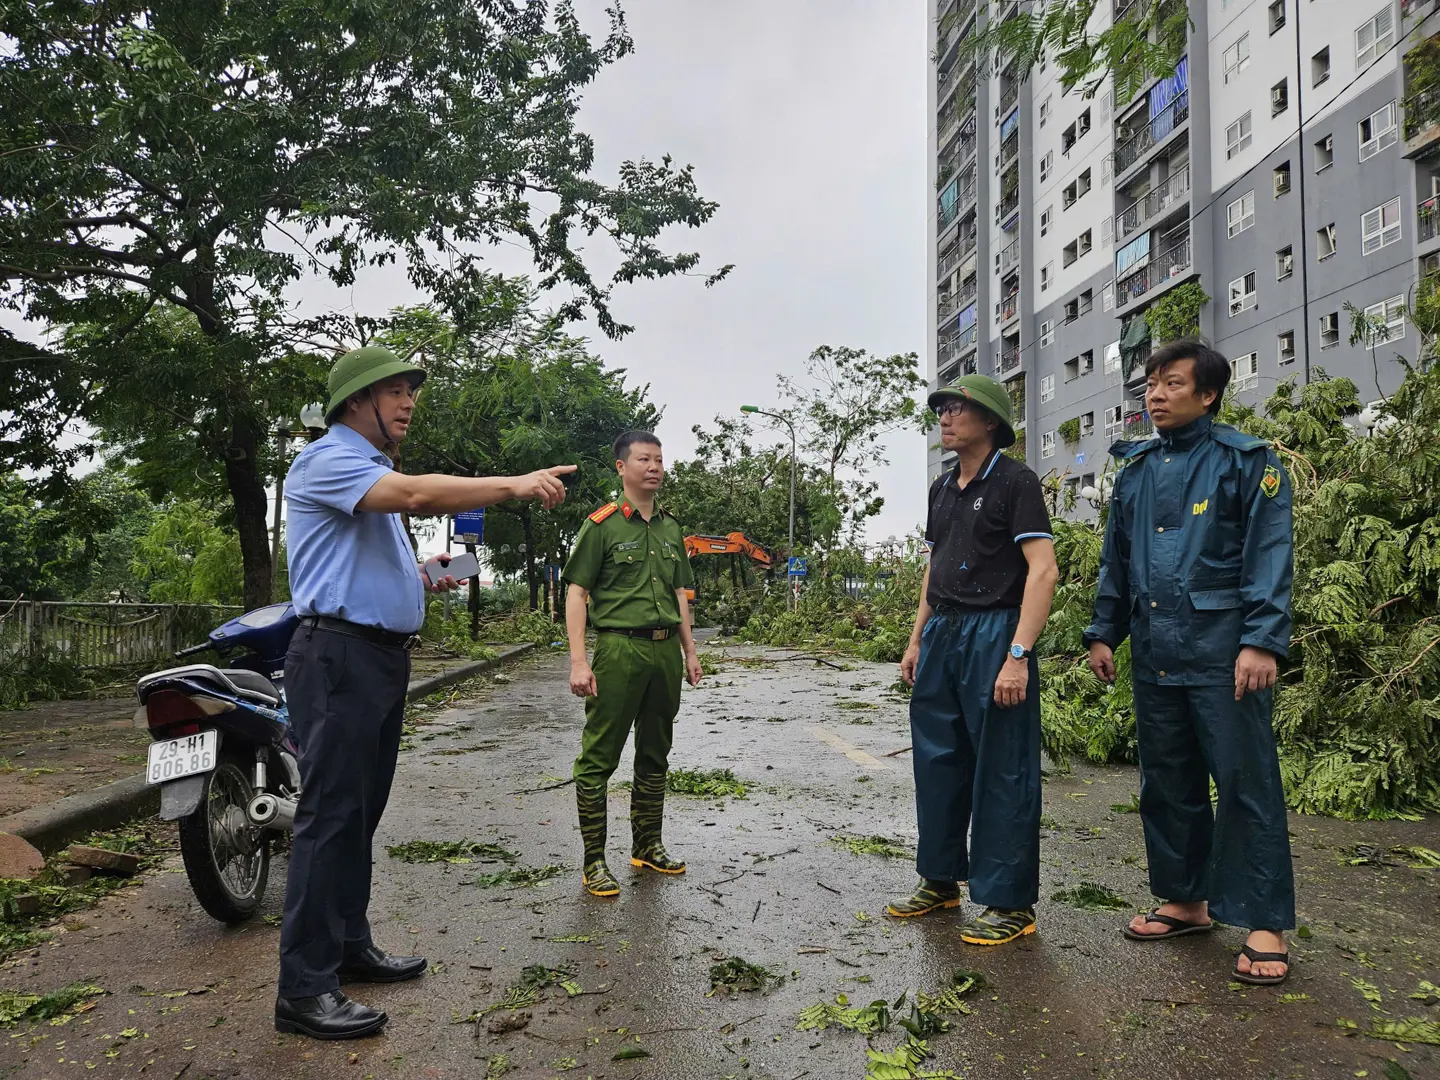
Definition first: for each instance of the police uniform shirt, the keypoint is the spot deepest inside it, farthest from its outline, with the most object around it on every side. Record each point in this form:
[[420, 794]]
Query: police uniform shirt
[[974, 535], [631, 568]]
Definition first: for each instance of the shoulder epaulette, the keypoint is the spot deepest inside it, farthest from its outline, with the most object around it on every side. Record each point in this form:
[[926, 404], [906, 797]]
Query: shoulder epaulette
[[1129, 449], [1230, 436], [604, 512]]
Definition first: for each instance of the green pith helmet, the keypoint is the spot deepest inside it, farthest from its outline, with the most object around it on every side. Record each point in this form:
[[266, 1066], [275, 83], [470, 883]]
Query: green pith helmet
[[360, 368], [985, 392]]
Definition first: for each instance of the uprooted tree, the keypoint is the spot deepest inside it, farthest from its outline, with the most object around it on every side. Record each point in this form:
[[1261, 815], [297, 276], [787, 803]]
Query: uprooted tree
[[191, 162]]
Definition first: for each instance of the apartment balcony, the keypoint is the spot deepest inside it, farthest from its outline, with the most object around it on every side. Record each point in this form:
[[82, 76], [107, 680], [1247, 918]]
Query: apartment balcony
[[1152, 133], [1010, 256], [945, 217], [1170, 195], [1008, 97], [1422, 123], [967, 195], [1428, 217], [1123, 8], [1009, 149], [944, 308], [1010, 307], [967, 294], [1418, 9], [1009, 360], [1160, 270], [1009, 203], [947, 264], [967, 244]]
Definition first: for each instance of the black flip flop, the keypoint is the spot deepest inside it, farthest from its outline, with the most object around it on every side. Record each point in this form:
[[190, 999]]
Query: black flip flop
[[1263, 958], [1178, 928]]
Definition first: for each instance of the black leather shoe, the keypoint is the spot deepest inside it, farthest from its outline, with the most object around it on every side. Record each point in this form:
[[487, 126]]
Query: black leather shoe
[[327, 1016], [374, 966]]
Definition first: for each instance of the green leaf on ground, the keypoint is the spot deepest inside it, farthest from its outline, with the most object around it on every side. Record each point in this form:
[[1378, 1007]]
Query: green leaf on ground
[[450, 851], [525, 993], [498, 1066], [519, 876], [871, 845], [1369, 991], [868, 1020], [735, 975], [1131, 807], [630, 1053], [1091, 897], [16, 1006], [1415, 1029], [1427, 993], [706, 783]]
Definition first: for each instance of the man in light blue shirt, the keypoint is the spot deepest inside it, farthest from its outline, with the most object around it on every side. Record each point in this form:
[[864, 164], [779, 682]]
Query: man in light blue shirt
[[356, 584]]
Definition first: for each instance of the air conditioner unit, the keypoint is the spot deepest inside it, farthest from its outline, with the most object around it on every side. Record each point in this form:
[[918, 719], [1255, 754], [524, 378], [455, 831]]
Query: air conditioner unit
[[1277, 96], [1289, 264], [1329, 142]]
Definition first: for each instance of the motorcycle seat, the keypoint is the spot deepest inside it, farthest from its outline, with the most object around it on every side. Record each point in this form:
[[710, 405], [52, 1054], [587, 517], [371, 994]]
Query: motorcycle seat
[[238, 682]]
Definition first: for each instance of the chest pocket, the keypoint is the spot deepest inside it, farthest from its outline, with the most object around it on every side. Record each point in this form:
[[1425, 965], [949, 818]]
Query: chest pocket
[[628, 566]]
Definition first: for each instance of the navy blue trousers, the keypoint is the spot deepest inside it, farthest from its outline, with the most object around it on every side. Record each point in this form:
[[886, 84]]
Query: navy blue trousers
[[977, 765], [347, 702], [1236, 856]]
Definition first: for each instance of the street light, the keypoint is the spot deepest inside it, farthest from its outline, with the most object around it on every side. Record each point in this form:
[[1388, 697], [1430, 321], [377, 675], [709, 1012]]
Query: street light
[[786, 421]]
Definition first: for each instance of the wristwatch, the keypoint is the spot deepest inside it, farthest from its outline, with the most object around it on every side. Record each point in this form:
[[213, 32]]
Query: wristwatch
[[1019, 652]]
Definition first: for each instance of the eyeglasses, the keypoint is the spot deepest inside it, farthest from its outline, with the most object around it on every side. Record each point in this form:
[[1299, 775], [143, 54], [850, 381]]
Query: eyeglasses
[[954, 407]]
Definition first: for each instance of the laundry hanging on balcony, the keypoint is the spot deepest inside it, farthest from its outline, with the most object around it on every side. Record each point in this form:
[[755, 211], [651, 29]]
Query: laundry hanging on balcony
[[1134, 344], [1009, 126], [1131, 255], [1165, 93]]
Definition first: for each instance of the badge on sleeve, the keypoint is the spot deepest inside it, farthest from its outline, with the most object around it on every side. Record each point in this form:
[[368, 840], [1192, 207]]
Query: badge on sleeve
[[1270, 482]]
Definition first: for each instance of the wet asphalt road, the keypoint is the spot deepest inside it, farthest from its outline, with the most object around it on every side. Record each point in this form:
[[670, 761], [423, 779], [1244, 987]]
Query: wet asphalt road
[[765, 883]]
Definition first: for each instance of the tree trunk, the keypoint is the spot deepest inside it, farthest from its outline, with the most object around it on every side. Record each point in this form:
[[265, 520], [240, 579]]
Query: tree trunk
[[247, 489], [473, 600], [530, 578]]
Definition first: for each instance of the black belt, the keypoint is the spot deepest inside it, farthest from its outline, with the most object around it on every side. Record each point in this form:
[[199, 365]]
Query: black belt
[[390, 638], [654, 633]]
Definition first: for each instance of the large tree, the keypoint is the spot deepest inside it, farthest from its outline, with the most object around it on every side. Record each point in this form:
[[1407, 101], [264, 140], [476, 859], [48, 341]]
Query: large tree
[[207, 156]]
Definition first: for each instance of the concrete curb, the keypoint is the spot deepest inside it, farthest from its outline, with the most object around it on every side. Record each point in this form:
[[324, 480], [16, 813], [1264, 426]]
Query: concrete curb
[[52, 826]]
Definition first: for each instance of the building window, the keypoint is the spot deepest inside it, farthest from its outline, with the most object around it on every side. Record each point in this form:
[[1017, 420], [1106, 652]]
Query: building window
[[1086, 241], [1067, 139], [1087, 423], [1380, 227], [1320, 66], [1237, 136], [1071, 253], [1237, 57], [1072, 369], [1072, 310], [1284, 263], [1390, 313], [1279, 97], [1277, 15], [1112, 358], [1242, 294], [1046, 163], [1107, 297], [1373, 37], [1082, 184], [1114, 420], [1240, 214], [1281, 177], [1045, 110], [1082, 124], [1329, 330], [1285, 347], [1047, 445], [1244, 372], [1377, 131], [1324, 153], [1087, 361], [1325, 242], [1068, 196], [1046, 273], [1087, 301], [1047, 388], [1047, 333], [1045, 220]]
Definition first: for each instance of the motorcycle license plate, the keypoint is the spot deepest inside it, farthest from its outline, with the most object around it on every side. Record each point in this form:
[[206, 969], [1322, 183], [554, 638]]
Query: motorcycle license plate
[[188, 755]]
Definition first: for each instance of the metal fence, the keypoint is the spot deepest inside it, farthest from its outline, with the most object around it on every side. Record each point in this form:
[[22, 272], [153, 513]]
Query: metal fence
[[104, 635]]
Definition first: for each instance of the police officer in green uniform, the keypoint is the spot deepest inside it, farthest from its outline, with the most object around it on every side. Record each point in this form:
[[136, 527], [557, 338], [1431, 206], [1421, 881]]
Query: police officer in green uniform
[[630, 567]]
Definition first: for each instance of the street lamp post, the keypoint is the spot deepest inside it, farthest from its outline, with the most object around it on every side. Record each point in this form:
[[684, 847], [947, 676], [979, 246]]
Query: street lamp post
[[786, 421]]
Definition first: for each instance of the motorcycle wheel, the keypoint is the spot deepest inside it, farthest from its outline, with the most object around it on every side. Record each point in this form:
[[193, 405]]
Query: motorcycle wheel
[[227, 859]]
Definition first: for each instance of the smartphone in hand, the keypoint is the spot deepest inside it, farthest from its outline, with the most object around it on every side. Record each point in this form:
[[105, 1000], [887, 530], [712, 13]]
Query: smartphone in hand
[[460, 567]]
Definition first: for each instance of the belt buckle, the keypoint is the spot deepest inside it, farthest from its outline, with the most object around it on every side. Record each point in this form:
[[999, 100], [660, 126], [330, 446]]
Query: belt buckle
[[411, 642], [659, 635]]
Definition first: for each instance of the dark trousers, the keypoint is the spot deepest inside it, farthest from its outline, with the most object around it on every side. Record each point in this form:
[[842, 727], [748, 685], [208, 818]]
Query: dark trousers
[[1237, 856], [977, 765], [347, 702]]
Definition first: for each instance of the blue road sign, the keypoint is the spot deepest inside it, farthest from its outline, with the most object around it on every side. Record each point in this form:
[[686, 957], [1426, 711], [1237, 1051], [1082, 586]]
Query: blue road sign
[[1080, 458], [470, 526], [797, 568]]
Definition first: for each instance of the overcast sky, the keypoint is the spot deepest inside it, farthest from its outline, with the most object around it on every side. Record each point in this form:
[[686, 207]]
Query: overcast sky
[[805, 121]]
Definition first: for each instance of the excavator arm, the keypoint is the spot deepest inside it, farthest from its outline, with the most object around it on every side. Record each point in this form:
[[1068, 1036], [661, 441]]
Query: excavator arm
[[735, 543]]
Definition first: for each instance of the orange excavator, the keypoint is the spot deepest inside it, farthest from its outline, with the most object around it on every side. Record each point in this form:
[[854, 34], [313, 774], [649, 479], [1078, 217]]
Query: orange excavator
[[735, 543]]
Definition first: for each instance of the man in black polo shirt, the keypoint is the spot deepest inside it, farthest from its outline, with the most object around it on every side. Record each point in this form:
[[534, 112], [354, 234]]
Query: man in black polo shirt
[[975, 710]]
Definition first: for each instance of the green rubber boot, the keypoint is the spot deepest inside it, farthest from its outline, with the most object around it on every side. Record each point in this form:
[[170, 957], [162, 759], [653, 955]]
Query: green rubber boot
[[647, 816], [928, 896], [996, 926], [592, 806]]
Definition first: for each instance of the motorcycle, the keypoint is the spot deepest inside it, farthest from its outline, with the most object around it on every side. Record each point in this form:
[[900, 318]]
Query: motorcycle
[[225, 758]]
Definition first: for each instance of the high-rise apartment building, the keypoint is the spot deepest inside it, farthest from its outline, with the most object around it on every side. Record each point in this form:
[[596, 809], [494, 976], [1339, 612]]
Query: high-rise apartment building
[[1282, 167]]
